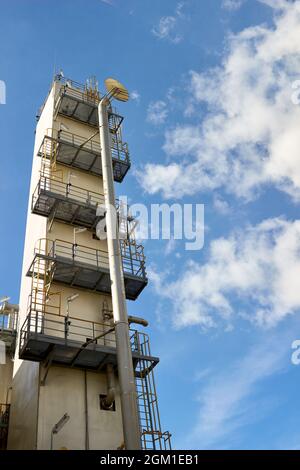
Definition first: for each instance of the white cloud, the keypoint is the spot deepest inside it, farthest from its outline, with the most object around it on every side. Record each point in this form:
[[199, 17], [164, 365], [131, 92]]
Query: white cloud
[[108, 2], [200, 375], [277, 4], [232, 4], [170, 246], [157, 112], [168, 25], [135, 96], [249, 137], [225, 405], [165, 29], [257, 269], [220, 205]]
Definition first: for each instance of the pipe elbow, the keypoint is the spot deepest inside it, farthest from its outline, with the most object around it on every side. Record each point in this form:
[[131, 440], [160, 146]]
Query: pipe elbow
[[138, 321], [108, 401]]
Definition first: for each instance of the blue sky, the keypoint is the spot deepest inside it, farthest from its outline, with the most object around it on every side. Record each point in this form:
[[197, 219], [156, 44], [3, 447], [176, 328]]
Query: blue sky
[[211, 121]]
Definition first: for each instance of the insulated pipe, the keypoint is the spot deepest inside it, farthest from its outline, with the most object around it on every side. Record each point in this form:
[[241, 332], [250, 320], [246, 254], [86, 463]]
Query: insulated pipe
[[138, 321], [111, 389], [86, 412], [130, 416]]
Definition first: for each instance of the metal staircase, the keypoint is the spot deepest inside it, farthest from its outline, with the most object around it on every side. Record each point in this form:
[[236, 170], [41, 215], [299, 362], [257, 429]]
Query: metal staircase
[[152, 437], [42, 276], [48, 161]]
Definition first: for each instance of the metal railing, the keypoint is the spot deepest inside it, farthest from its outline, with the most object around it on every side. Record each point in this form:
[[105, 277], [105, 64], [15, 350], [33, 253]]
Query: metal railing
[[89, 95], [79, 91], [9, 322], [82, 95], [41, 320], [50, 187], [44, 319], [68, 190], [64, 80], [132, 257], [119, 148], [91, 145]]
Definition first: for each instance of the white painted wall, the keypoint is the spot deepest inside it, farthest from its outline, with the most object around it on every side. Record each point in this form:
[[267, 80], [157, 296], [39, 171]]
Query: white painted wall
[[24, 407], [87, 306], [23, 415], [36, 408], [81, 179], [36, 226], [6, 373], [64, 392]]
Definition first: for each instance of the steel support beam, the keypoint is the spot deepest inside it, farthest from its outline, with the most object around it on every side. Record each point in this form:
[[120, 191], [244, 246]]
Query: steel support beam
[[48, 364]]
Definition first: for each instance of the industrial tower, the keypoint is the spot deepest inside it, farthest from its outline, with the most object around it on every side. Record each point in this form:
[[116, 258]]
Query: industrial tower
[[67, 383]]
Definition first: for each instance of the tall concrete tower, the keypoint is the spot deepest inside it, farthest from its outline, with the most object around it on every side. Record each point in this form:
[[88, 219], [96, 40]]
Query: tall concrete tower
[[66, 367]]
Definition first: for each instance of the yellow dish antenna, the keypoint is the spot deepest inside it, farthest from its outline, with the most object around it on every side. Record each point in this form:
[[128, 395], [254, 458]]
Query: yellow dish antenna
[[116, 89]]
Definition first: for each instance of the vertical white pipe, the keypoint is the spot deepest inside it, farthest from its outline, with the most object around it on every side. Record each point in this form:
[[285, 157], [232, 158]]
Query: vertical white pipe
[[130, 415], [86, 412]]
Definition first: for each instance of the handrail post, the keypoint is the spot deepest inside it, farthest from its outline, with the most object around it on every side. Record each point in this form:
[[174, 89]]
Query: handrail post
[[28, 322], [43, 323], [131, 259], [67, 326]]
